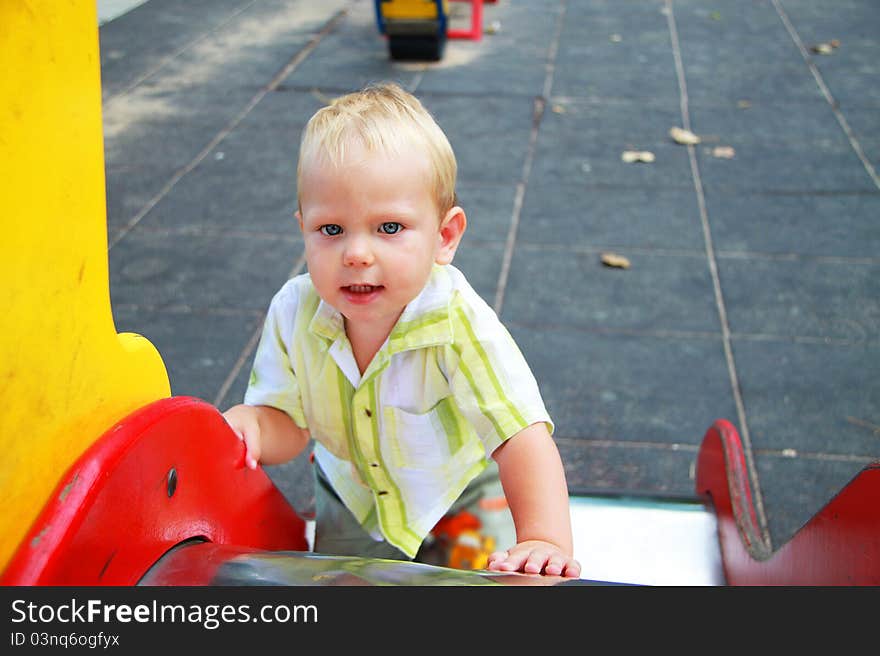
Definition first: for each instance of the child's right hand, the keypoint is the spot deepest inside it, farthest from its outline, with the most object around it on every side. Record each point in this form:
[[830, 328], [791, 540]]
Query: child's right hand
[[244, 421]]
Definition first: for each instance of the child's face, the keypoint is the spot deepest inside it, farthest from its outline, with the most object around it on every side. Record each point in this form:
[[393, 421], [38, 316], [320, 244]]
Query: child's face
[[372, 232]]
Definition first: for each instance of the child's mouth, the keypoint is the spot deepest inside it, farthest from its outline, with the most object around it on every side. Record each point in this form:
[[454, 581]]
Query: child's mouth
[[361, 293]]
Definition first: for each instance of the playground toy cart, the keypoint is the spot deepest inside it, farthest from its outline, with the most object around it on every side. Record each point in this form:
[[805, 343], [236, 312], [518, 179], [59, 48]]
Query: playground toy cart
[[418, 29]]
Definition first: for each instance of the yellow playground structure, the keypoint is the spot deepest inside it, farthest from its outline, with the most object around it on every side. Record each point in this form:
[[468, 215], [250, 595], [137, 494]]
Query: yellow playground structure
[[65, 373]]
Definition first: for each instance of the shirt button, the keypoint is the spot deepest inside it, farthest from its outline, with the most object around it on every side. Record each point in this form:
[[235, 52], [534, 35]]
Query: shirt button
[[374, 464], [368, 412], [381, 492]]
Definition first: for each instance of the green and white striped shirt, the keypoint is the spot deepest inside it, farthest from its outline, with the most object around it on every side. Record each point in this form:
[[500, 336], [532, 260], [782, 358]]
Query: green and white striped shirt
[[401, 442]]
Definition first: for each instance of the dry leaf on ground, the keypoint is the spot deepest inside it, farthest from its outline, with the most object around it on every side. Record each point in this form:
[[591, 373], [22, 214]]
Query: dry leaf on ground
[[630, 156], [723, 152], [614, 260], [685, 137], [826, 48]]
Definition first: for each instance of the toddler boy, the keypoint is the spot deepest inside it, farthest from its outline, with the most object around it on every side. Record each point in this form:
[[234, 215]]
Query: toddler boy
[[386, 357]]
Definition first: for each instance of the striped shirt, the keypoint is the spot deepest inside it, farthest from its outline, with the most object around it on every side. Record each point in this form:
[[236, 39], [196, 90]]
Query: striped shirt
[[401, 442]]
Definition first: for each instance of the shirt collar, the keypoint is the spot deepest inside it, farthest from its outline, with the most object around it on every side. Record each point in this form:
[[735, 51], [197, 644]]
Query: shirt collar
[[327, 322], [424, 321]]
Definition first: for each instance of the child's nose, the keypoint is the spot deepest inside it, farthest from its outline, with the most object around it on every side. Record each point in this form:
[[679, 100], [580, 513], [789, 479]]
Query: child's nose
[[358, 252]]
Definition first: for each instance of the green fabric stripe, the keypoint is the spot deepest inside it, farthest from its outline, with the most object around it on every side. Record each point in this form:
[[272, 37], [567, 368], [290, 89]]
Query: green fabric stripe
[[482, 401], [404, 333], [400, 512], [449, 418], [345, 397], [490, 374]]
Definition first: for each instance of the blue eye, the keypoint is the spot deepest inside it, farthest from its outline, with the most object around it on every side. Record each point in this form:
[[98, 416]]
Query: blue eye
[[390, 227], [331, 229]]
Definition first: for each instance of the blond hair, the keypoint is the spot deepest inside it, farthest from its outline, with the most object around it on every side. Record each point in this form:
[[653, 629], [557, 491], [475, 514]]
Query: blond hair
[[384, 118]]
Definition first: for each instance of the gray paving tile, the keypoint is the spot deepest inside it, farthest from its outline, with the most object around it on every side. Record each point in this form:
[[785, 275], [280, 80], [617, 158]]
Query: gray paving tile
[[271, 130], [728, 53], [511, 61], [785, 168], [603, 14], [489, 210], [584, 121], [248, 182], [229, 43], [481, 263], [640, 44], [726, 35], [164, 142], [833, 300], [581, 143], [865, 124], [235, 393], [611, 218], [809, 122], [627, 388], [141, 157], [850, 19], [138, 41], [159, 126], [714, 19], [353, 55], [852, 73], [743, 53], [174, 103], [198, 348], [490, 134], [200, 271], [795, 489], [841, 225], [721, 83], [129, 188], [477, 68], [215, 197], [871, 149], [619, 469], [813, 398], [599, 164], [574, 289], [522, 25], [627, 57], [295, 480]]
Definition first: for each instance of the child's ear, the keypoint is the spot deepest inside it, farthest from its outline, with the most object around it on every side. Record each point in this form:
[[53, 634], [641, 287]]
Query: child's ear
[[452, 229]]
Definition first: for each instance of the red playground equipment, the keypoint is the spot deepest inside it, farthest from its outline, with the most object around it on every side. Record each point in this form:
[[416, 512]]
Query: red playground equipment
[[106, 478]]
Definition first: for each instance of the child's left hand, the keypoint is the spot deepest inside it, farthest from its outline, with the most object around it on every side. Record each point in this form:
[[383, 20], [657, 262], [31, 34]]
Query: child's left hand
[[535, 557]]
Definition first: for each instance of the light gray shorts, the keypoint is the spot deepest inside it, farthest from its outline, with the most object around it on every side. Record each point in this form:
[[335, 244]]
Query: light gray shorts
[[337, 532]]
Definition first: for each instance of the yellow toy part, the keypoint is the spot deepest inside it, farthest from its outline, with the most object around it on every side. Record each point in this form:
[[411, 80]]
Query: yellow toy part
[[410, 9], [66, 376]]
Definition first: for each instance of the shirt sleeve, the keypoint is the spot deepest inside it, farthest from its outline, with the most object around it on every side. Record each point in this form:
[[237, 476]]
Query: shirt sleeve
[[491, 381], [273, 380]]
